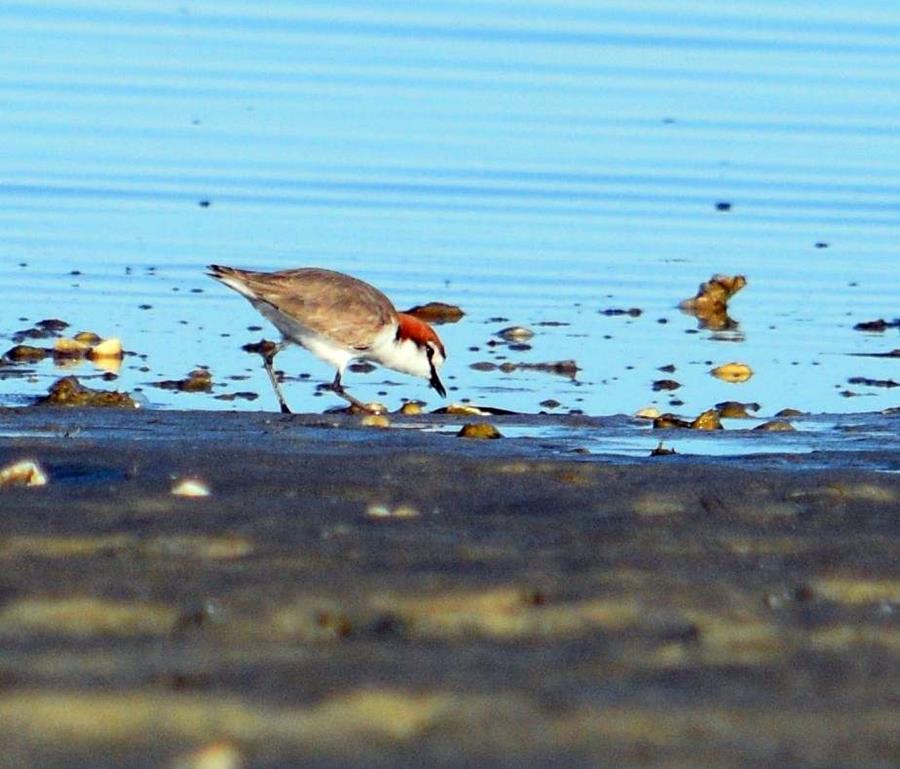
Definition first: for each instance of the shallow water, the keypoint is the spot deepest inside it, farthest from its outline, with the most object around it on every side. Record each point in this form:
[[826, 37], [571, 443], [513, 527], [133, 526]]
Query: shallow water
[[538, 164]]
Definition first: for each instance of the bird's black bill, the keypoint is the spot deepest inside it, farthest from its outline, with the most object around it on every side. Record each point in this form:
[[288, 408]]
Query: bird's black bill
[[436, 383]]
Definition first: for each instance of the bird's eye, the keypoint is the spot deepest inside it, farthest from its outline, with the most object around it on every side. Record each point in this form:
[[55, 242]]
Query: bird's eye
[[429, 350]]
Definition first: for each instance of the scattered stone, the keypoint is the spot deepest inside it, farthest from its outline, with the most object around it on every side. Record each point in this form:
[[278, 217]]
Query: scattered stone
[[375, 420], [562, 367], [877, 325], [708, 420], [24, 473], [467, 409], [515, 333], [190, 487], [661, 451], [665, 421], [412, 408], [218, 755], [246, 395], [461, 409], [648, 412], [631, 312], [68, 391], [377, 510], [733, 372], [669, 368], [199, 380], [710, 305], [790, 413], [54, 325], [108, 348], [479, 430], [723, 205], [665, 384], [550, 403], [436, 312], [861, 380], [483, 365], [263, 347], [775, 426], [25, 353], [735, 409], [87, 338], [69, 349]]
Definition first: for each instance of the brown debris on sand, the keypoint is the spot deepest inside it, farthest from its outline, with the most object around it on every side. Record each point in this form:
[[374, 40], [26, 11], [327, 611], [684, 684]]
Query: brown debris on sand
[[68, 391]]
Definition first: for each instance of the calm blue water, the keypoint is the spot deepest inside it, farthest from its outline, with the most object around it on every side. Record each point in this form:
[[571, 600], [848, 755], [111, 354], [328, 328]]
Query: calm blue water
[[535, 161]]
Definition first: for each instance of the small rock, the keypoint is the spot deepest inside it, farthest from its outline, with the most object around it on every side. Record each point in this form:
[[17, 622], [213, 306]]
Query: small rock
[[411, 408], [708, 420], [69, 348], [436, 312], [515, 333], [190, 487], [25, 353], [733, 372], [375, 420], [463, 409], [775, 426], [24, 473], [87, 338], [790, 413], [479, 430], [877, 325], [199, 380], [631, 312], [108, 348], [378, 510], [665, 421], [68, 391], [665, 384], [648, 412], [218, 755], [735, 409], [52, 324]]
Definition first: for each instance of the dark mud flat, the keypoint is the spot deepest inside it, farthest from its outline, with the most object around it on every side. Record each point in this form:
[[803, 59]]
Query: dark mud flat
[[380, 598]]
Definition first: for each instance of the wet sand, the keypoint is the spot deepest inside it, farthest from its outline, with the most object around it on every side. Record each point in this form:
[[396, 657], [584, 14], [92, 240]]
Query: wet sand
[[382, 598]]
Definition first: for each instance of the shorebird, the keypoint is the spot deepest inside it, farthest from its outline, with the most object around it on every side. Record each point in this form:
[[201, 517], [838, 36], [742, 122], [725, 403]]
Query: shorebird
[[338, 318]]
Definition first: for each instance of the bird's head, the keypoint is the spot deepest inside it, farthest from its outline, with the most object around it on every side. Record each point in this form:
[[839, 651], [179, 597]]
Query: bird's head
[[423, 350]]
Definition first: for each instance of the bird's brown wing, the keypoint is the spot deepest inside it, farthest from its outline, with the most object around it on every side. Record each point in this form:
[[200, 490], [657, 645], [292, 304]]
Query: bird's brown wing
[[346, 309]]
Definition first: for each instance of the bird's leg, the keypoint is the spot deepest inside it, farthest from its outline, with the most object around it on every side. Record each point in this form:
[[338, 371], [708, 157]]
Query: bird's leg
[[338, 389], [268, 358]]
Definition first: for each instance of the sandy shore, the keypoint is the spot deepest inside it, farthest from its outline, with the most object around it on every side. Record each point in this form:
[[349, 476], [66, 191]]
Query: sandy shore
[[383, 598]]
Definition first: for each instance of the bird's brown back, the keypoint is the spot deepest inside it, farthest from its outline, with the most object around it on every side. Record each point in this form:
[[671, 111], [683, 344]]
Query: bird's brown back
[[339, 306]]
